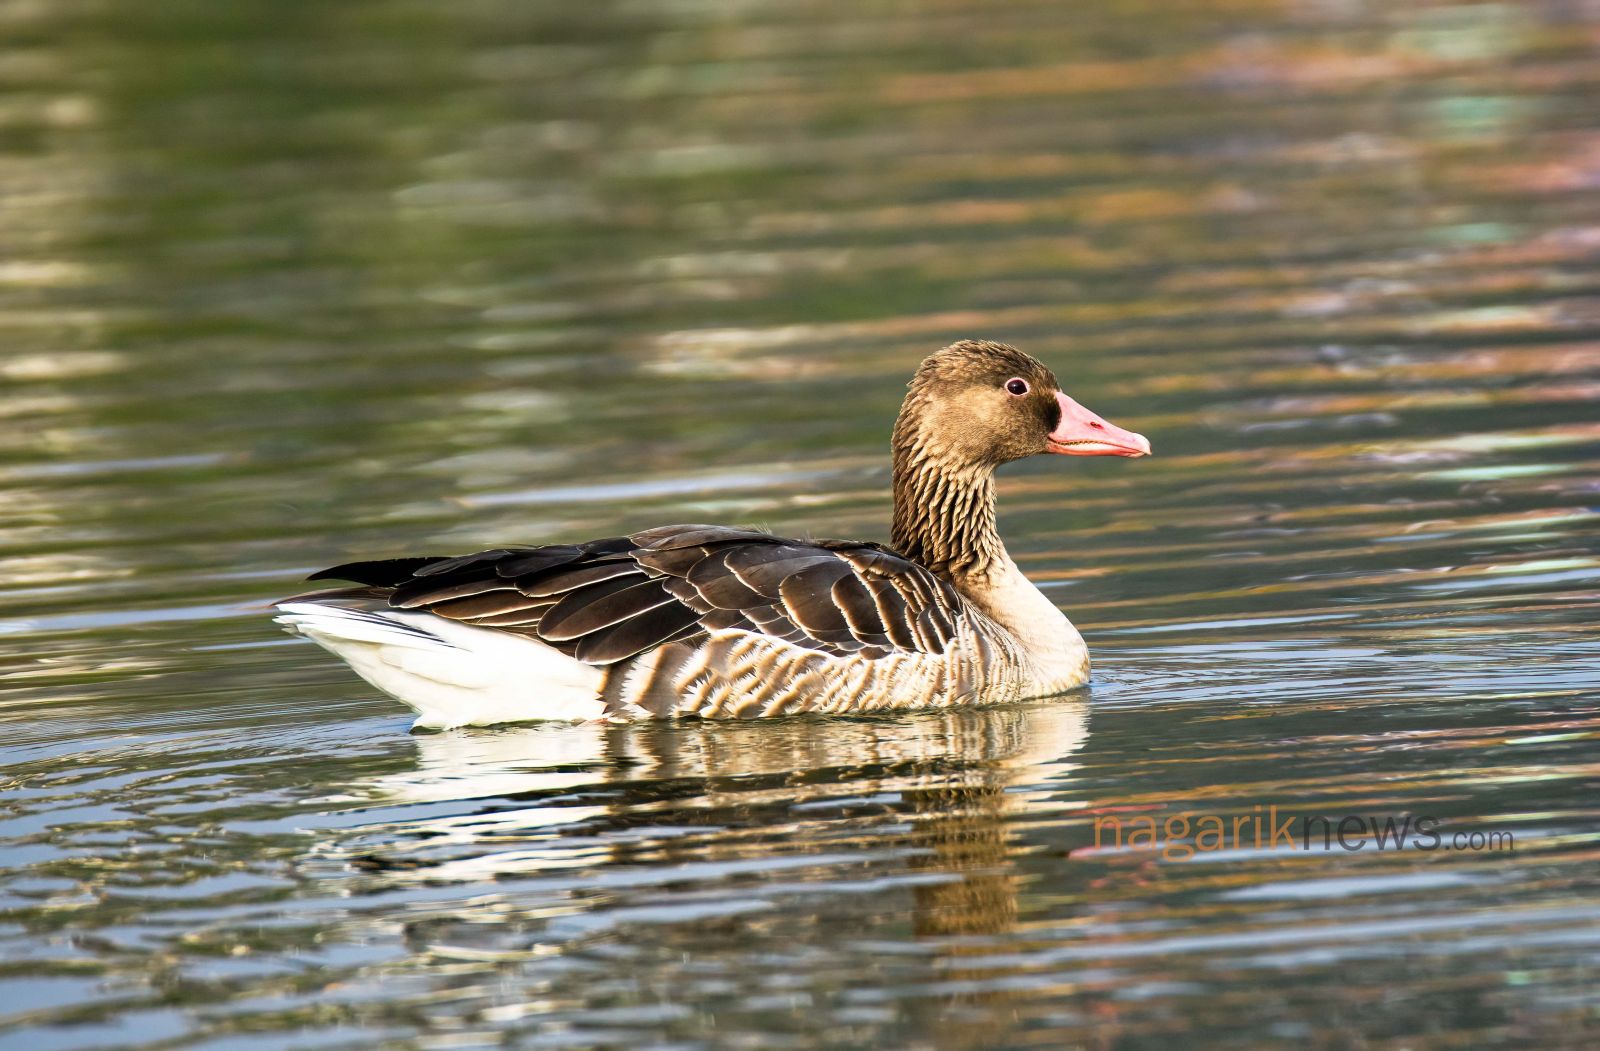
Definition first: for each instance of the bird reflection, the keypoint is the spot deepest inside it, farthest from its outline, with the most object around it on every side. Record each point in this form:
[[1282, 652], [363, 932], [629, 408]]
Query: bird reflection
[[935, 795]]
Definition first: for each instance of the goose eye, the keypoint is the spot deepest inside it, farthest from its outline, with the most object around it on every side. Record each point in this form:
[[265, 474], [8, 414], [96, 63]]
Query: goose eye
[[1017, 385]]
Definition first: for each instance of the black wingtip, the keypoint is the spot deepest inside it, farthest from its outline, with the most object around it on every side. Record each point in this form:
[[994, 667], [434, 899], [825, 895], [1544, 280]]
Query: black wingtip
[[383, 573]]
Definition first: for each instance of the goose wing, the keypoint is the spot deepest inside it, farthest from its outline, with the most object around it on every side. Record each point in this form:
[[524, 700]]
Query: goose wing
[[609, 600]]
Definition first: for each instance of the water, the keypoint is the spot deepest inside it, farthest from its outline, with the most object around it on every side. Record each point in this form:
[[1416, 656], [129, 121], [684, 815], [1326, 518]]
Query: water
[[286, 286]]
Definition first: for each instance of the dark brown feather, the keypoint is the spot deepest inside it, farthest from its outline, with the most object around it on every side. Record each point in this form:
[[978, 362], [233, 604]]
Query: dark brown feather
[[637, 633], [724, 620], [528, 616], [687, 594], [460, 562], [537, 560], [808, 596], [720, 586], [609, 600], [563, 579], [674, 562], [765, 570], [601, 606], [856, 605], [431, 592], [666, 538], [480, 607], [896, 615], [383, 573]]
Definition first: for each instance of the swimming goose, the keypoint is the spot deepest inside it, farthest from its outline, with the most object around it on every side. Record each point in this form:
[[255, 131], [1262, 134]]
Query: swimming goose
[[719, 622]]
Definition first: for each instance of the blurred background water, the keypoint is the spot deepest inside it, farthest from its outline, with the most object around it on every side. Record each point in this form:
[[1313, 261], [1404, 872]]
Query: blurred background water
[[288, 283]]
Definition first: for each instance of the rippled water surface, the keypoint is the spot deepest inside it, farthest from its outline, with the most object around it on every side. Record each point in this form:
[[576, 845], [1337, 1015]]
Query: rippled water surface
[[285, 284]]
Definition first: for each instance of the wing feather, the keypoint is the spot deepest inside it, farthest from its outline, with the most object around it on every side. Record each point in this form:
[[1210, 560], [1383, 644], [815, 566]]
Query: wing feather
[[642, 631], [610, 600], [894, 612], [675, 562], [600, 606], [430, 593], [720, 586], [667, 538], [526, 616], [564, 579], [808, 598], [765, 571], [537, 561], [384, 572], [479, 607], [460, 562]]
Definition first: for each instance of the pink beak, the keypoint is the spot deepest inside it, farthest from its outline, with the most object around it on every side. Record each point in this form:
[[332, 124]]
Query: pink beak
[[1082, 433]]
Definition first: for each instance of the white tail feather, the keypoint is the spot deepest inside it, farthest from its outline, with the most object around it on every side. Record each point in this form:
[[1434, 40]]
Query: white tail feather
[[452, 674]]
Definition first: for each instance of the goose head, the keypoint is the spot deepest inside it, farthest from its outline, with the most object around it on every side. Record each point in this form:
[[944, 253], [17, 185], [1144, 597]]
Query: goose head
[[977, 404]]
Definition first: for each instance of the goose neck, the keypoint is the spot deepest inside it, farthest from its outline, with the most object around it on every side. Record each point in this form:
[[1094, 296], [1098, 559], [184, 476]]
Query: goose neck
[[944, 517]]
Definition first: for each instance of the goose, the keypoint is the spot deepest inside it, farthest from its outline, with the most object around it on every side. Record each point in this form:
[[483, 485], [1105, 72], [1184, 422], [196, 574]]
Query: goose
[[721, 622]]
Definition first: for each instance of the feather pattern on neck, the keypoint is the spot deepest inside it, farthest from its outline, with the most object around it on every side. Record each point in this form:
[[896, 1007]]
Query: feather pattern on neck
[[944, 517], [943, 497]]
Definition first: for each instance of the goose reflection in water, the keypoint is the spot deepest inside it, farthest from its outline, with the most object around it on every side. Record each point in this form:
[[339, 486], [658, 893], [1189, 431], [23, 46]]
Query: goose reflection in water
[[575, 822]]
